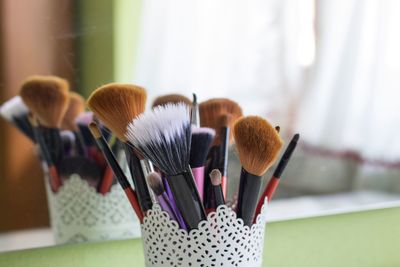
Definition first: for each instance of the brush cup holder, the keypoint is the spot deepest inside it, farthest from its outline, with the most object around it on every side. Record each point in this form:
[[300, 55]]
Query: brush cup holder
[[78, 213], [222, 240]]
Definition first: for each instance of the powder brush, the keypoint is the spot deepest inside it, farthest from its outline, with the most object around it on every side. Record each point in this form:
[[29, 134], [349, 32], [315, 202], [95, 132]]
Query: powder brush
[[163, 135], [258, 145]]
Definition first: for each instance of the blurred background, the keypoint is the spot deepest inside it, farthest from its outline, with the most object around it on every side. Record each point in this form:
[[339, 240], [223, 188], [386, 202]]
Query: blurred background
[[329, 70]]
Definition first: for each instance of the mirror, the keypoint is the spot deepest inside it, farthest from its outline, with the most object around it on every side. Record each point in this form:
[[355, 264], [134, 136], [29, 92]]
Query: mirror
[[324, 69]]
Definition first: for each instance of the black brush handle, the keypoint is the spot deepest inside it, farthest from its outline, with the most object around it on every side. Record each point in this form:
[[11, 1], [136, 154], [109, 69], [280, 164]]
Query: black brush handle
[[248, 194], [218, 195], [53, 141], [139, 179], [223, 152], [112, 161], [187, 198], [213, 156]]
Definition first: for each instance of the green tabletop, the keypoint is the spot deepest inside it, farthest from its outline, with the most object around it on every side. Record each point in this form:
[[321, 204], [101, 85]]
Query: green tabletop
[[368, 238]]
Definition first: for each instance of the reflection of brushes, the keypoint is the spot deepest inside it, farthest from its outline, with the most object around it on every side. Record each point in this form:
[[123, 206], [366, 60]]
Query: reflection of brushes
[[47, 97], [116, 105], [171, 99], [55, 180], [201, 141], [219, 114], [122, 180], [274, 181], [215, 177], [156, 184], [75, 108], [195, 115], [163, 136], [16, 112], [258, 145]]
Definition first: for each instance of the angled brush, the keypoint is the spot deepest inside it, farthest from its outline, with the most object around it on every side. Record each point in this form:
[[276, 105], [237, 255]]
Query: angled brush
[[47, 98], [116, 105], [274, 181], [201, 141], [116, 168], [258, 145], [163, 136]]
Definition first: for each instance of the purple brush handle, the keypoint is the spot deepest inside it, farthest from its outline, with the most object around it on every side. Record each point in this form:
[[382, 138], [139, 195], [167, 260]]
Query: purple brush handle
[[198, 174], [166, 206], [168, 193]]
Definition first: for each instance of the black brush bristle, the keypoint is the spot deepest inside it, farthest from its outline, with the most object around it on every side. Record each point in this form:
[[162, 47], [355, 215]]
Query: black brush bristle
[[201, 141]]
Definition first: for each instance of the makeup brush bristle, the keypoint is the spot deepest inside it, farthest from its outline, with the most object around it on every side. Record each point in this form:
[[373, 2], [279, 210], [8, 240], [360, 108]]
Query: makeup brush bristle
[[216, 177], [76, 106], [202, 137], [171, 99], [47, 97], [155, 182], [117, 104], [211, 111], [13, 108], [257, 144], [163, 135]]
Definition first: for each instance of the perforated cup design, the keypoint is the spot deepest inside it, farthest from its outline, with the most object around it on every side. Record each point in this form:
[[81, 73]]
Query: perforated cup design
[[222, 240], [78, 213]]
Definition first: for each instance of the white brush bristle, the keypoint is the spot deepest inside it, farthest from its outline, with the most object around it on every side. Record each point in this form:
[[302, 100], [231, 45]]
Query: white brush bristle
[[205, 130], [163, 135], [84, 118], [13, 108]]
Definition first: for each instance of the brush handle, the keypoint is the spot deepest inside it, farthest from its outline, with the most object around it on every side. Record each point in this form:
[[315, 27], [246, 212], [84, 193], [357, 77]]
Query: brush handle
[[53, 141], [268, 193], [213, 156], [139, 179], [218, 195], [223, 158], [187, 198], [132, 197], [170, 196], [248, 194], [166, 206], [198, 174], [80, 144], [106, 181]]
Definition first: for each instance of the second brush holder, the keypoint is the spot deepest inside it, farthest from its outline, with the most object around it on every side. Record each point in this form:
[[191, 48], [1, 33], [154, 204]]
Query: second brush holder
[[78, 213], [222, 240]]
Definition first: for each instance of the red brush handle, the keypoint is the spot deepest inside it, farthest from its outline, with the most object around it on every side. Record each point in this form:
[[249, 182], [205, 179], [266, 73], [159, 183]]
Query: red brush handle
[[107, 180], [55, 180], [224, 185], [268, 192], [134, 202]]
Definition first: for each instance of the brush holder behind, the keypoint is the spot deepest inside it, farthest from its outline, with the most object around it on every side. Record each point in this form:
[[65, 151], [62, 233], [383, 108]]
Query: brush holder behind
[[222, 240], [78, 213]]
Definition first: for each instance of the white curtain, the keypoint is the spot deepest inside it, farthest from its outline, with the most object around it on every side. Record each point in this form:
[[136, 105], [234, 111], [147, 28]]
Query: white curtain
[[352, 103], [242, 49]]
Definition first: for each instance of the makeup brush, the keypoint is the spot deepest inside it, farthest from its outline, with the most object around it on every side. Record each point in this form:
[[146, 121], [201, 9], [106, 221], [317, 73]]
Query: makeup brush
[[171, 99], [118, 172], [195, 115], [76, 106], [47, 98], [163, 136], [219, 114], [54, 179], [216, 177], [200, 144], [211, 111], [274, 181], [116, 105], [156, 184], [82, 121], [16, 112], [258, 145]]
